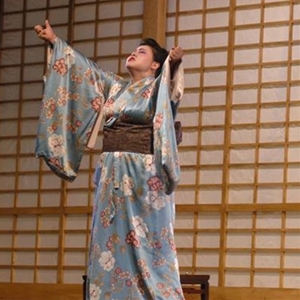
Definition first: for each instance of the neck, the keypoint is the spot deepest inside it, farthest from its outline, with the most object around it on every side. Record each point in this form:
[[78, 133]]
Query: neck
[[137, 76]]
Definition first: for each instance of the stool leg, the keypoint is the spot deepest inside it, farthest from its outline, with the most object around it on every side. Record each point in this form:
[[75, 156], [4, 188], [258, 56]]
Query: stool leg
[[84, 277], [205, 289]]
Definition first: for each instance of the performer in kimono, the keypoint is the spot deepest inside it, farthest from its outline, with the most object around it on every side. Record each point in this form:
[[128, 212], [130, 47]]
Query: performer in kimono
[[132, 252]]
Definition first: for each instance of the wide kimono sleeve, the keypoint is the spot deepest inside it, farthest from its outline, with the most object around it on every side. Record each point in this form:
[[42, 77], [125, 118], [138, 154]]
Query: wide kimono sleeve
[[74, 90], [165, 146]]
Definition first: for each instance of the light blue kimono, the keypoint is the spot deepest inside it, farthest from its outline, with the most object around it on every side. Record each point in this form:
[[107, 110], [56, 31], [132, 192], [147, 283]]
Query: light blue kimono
[[132, 253]]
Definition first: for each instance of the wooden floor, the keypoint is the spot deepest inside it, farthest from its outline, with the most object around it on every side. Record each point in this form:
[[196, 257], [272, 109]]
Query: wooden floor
[[74, 292]]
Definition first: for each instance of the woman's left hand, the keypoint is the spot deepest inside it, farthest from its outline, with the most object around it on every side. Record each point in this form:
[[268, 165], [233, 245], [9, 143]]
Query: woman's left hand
[[176, 54]]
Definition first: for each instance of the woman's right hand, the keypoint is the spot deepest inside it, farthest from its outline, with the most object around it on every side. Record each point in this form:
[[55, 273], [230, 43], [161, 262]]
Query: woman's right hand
[[45, 32]]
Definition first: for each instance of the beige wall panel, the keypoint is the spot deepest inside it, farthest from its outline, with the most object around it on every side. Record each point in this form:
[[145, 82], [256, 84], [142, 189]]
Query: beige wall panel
[[240, 195], [27, 199], [14, 5], [185, 259], [209, 240], [210, 157], [185, 196], [9, 110], [10, 74], [84, 32], [31, 4], [186, 5], [207, 258], [214, 98], [35, 17], [11, 57], [210, 195], [238, 260], [269, 195], [12, 39], [58, 15], [6, 200], [31, 90], [218, 4], [237, 279], [23, 276], [8, 146], [266, 280], [292, 241], [50, 199], [77, 198], [294, 133], [46, 276], [212, 137]]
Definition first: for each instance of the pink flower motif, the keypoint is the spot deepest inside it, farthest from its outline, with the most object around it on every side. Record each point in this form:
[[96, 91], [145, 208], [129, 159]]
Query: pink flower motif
[[109, 243], [113, 280], [158, 121], [167, 294], [172, 245], [146, 93], [118, 270], [178, 291], [131, 239], [60, 67], [158, 245], [73, 77], [54, 126], [124, 275], [159, 263], [128, 282], [96, 104], [78, 123], [154, 184], [52, 107], [71, 127], [75, 96], [104, 215], [87, 73], [109, 102], [62, 101], [56, 162], [160, 285], [164, 232]]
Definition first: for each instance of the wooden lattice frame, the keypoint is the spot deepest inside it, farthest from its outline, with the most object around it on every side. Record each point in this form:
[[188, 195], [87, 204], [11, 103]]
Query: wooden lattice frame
[[197, 208]]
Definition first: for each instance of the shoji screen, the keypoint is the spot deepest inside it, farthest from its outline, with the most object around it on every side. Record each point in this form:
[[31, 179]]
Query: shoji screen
[[239, 196], [44, 222], [238, 202]]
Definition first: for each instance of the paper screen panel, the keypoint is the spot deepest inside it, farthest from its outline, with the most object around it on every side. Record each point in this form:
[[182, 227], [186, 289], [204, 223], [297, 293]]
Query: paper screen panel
[[241, 132]]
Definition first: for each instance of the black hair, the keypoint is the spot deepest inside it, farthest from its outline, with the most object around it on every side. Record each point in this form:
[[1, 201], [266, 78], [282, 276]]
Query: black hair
[[159, 54]]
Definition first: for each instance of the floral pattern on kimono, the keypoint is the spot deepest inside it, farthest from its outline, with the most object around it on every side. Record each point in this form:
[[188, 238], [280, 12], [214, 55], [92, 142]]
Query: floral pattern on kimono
[[132, 253]]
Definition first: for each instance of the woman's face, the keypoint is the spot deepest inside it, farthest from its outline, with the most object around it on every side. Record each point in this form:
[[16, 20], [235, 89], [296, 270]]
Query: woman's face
[[141, 60]]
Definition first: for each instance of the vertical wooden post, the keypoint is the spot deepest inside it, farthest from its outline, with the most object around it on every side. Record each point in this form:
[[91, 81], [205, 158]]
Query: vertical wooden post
[[154, 23], [227, 143]]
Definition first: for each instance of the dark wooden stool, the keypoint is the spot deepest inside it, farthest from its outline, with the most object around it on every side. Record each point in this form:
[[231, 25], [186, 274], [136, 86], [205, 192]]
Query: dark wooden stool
[[188, 281]]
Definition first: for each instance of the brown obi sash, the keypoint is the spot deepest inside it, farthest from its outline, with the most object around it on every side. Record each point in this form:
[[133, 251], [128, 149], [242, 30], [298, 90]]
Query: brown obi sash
[[126, 137]]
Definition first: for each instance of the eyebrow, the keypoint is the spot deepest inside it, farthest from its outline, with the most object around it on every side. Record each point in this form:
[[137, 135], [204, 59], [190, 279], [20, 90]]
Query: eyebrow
[[141, 48]]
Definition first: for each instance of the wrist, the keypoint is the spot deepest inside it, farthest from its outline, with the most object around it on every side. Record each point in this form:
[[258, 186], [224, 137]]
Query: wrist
[[53, 39]]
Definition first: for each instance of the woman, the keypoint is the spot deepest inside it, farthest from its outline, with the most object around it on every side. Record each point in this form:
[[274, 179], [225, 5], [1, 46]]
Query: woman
[[132, 252]]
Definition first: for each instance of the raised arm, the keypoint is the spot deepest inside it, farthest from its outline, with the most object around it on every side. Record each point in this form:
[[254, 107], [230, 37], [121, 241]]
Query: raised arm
[[175, 54], [176, 74]]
